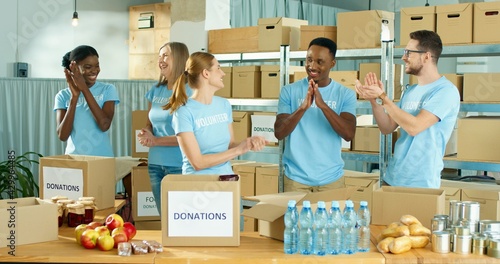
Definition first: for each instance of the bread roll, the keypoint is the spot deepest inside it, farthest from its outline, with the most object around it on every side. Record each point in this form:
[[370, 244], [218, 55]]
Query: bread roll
[[383, 246], [419, 241], [409, 220], [419, 230], [396, 232], [400, 245]]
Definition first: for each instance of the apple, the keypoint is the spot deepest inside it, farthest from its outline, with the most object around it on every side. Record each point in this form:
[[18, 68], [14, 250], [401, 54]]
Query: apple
[[119, 237], [129, 230], [113, 221], [89, 238], [94, 224], [105, 242], [102, 230], [78, 232]]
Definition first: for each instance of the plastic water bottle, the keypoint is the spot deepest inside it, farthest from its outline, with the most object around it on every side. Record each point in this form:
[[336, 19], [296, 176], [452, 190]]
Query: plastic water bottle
[[349, 230], [364, 227], [306, 231], [320, 240], [291, 235], [335, 229]]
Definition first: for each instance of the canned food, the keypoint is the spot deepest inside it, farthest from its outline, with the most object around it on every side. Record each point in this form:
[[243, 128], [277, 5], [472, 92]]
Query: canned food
[[440, 241], [488, 226], [470, 211], [462, 244], [439, 223]]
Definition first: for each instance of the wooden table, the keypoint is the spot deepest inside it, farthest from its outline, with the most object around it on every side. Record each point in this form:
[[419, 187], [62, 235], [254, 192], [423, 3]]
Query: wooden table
[[253, 249]]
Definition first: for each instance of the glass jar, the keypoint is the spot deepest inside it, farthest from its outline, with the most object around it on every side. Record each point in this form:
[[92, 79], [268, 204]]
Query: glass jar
[[89, 208], [76, 213], [60, 212], [64, 204]]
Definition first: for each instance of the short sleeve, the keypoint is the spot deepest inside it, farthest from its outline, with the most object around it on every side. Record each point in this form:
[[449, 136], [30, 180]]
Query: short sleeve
[[182, 120]]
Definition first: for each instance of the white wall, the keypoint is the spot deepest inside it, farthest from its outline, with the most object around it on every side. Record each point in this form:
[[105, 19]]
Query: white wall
[[39, 32]]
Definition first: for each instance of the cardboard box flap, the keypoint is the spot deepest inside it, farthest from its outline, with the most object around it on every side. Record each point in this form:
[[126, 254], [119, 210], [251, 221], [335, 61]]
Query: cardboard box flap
[[481, 193], [238, 116], [360, 182], [284, 21], [415, 11], [385, 14], [454, 8], [486, 7]]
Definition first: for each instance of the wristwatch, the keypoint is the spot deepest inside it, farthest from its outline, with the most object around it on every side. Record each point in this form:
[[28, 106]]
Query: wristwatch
[[380, 98]]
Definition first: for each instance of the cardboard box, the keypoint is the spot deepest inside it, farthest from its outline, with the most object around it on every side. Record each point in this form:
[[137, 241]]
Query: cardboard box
[[374, 67], [226, 91], [452, 191], [481, 87], [477, 138], [247, 173], [249, 223], [246, 82], [416, 18], [362, 29], [267, 179], [367, 138], [271, 208], [263, 125], [365, 184], [308, 33], [451, 146], [76, 176], [233, 40], [148, 225], [277, 31], [488, 196], [143, 201], [32, 220], [270, 79], [454, 23], [200, 210], [242, 125], [390, 203], [486, 25], [456, 79], [139, 120]]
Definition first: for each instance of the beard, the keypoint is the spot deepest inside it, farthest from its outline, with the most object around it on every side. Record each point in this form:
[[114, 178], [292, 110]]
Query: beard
[[414, 70]]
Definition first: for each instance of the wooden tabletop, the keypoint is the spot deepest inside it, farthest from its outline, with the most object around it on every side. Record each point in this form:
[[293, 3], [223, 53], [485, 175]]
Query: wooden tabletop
[[253, 249]]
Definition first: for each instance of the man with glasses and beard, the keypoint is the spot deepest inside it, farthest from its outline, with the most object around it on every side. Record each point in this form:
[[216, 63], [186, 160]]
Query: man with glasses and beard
[[426, 114]]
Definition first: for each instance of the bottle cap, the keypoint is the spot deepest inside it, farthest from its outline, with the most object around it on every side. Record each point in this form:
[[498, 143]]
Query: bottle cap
[[292, 203], [335, 204], [321, 204], [306, 204], [363, 203], [349, 203]]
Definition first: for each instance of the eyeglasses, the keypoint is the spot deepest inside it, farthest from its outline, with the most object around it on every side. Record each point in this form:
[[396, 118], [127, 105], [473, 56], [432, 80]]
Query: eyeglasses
[[407, 52]]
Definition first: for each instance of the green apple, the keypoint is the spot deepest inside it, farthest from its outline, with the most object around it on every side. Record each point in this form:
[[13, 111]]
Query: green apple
[[105, 242], [78, 232]]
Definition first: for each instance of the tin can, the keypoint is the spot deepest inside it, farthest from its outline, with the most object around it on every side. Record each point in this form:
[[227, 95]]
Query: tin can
[[455, 212], [463, 244], [440, 241], [439, 223], [470, 211]]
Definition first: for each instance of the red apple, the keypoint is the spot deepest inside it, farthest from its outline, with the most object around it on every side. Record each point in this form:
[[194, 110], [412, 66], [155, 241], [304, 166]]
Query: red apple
[[129, 230], [119, 237], [89, 238], [105, 242], [94, 224], [78, 232], [113, 221], [102, 230]]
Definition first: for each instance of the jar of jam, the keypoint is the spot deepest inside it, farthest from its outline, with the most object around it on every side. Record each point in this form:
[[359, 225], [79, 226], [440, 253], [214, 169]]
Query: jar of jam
[[76, 213], [89, 208], [60, 212], [64, 204]]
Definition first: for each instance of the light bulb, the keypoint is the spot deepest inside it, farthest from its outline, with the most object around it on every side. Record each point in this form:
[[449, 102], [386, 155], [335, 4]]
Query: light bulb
[[74, 21]]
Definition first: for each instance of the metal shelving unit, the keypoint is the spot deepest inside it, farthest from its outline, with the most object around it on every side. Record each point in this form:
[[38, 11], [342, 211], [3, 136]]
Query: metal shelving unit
[[387, 53]]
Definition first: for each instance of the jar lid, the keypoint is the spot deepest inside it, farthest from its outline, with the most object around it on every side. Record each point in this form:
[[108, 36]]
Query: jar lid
[[89, 198], [74, 206], [58, 197], [68, 201], [87, 203]]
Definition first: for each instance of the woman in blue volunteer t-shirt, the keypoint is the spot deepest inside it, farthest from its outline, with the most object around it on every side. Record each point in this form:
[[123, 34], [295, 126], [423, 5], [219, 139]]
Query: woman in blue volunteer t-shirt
[[86, 108]]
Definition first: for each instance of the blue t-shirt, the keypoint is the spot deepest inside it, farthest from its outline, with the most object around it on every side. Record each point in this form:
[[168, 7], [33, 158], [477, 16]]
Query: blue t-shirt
[[312, 154], [418, 160], [210, 125], [87, 138], [161, 121]]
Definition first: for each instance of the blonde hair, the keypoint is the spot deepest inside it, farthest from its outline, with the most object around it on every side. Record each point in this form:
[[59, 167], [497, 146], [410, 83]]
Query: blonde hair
[[180, 54], [195, 65]]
